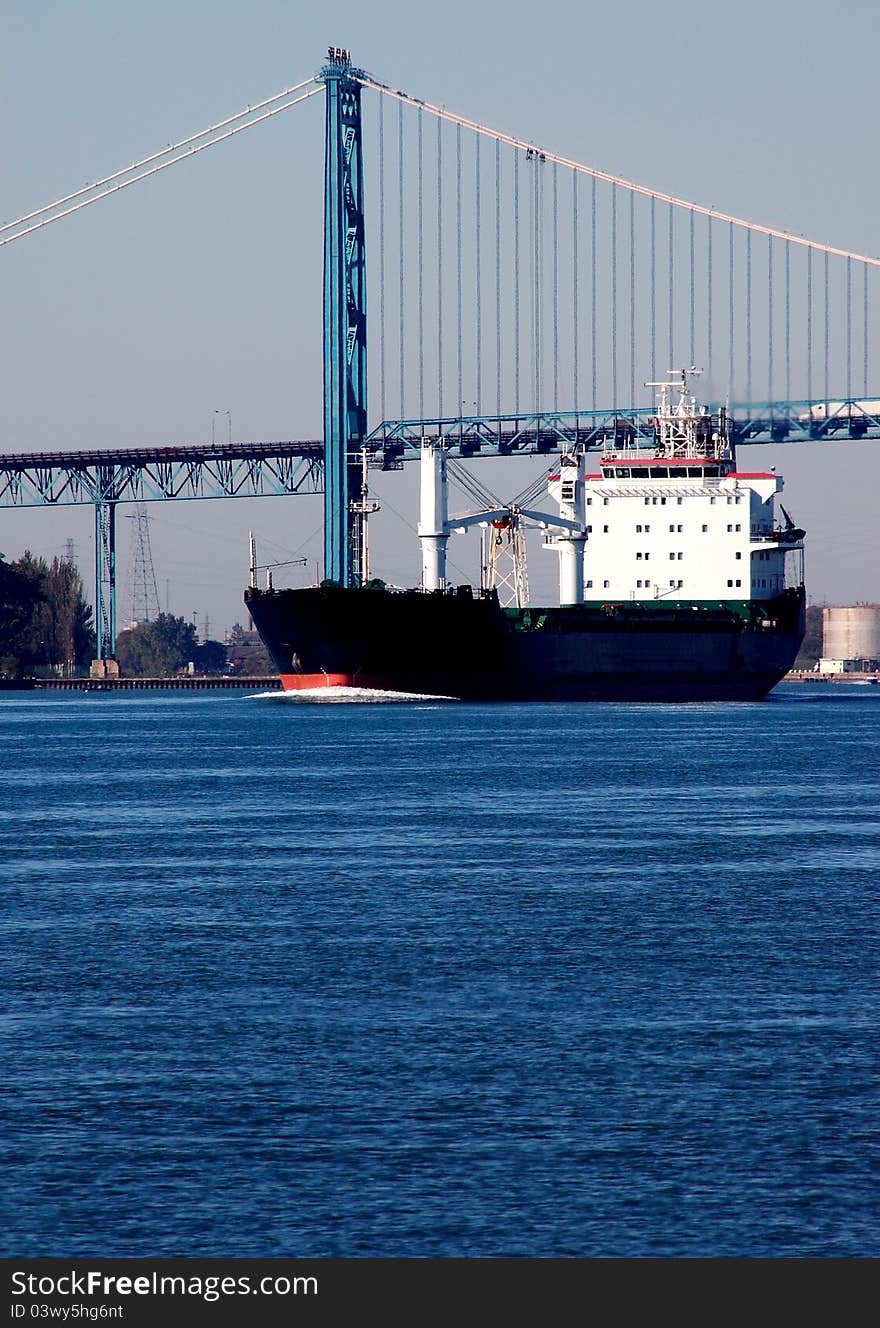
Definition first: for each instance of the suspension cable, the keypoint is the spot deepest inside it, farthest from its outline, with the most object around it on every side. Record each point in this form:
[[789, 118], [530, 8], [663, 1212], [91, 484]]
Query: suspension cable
[[154, 170], [522, 146], [145, 161]]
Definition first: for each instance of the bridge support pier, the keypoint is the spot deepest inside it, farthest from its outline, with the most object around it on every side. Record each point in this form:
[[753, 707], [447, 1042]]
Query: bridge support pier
[[105, 580]]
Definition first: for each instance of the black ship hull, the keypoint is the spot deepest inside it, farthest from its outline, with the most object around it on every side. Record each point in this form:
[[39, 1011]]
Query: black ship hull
[[455, 644]]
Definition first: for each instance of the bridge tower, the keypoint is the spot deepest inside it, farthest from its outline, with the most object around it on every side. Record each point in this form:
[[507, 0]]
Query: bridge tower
[[345, 320], [105, 576]]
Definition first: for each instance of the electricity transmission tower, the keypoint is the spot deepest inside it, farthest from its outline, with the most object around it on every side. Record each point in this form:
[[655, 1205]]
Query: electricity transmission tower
[[144, 592]]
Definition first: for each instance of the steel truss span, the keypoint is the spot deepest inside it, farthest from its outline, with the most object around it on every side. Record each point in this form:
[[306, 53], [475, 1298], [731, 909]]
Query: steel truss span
[[228, 470], [395, 441]]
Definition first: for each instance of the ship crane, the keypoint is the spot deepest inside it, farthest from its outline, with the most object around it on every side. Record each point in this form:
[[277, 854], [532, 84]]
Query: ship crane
[[568, 526]]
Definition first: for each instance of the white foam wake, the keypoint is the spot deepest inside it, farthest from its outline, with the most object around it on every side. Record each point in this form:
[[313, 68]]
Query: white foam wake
[[347, 696]]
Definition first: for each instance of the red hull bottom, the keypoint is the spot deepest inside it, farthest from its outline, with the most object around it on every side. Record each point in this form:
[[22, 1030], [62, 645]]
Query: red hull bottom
[[302, 682]]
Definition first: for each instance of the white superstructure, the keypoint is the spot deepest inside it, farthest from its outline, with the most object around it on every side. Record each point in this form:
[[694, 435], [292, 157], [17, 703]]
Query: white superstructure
[[676, 520]]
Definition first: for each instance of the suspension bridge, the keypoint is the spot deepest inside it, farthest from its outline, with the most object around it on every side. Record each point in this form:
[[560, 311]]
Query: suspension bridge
[[519, 301]]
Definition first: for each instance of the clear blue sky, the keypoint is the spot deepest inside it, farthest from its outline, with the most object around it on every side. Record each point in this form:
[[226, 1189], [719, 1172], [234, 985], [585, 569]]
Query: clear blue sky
[[198, 291]]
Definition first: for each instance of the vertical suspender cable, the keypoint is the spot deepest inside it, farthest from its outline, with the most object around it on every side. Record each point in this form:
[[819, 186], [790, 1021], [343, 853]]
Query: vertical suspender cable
[[498, 275], [653, 290], [440, 268], [827, 331], [593, 298], [670, 345], [382, 397], [458, 281], [787, 321], [632, 298], [864, 329], [539, 280], [709, 310], [849, 329], [421, 312], [810, 324], [614, 400], [769, 317], [478, 275], [516, 281], [533, 273], [401, 284], [574, 291], [749, 316], [730, 323], [693, 355], [555, 286]]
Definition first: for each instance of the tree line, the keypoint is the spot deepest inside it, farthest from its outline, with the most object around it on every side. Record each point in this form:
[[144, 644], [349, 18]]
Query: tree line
[[45, 622], [46, 626]]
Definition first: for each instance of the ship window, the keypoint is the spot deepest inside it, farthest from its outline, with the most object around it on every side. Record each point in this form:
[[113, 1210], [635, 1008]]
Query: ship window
[[654, 502], [738, 554], [679, 556], [638, 557], [711, 471], [622, 472], [606, 584], [729, 582], [638, 529], [680, 584], [604, 530], [647, 583], [712, 502], [640, 472], [729, 500], [680, 528], [672, 530], [705, 528], [589, 530], [662, 502], [647, 556], [589, 502], [672, 557], [672, 583], [695, 472], [589, 585], [647, 502], [647, 529], [738, 581], [679, 501], [661, 472], [605, 502], [729, 527], [738, 526], [639, 584]]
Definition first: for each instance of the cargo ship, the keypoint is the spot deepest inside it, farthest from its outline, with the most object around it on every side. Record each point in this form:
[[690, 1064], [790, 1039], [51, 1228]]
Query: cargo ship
[[678, 581]]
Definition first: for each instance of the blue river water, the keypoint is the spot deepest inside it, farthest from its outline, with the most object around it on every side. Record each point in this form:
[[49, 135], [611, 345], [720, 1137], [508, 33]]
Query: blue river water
[[426, 979]]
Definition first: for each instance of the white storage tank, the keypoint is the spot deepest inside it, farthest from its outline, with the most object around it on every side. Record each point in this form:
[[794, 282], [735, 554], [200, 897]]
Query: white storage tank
[[851, 631]]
